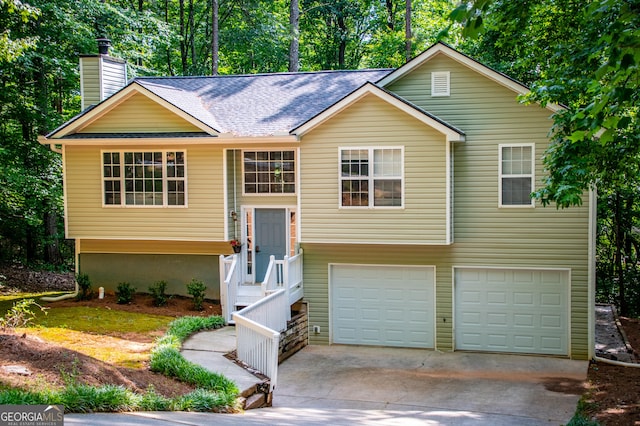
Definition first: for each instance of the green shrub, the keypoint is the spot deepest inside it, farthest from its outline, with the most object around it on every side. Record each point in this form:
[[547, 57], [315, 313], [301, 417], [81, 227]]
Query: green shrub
[[183, 327], [124, 293], [106, 398], [167, 359], [153, 401], [203, 400], [20, 315], [85, 292], [196, 289], [158, 292]]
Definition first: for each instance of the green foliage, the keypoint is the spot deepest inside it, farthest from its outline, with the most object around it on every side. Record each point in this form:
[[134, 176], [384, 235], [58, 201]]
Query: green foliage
[[124, 293], [85, 292], [158, 292], [167, 359], [203, 400], [183, 327], [197, 289], [79, 398], [20, 315]]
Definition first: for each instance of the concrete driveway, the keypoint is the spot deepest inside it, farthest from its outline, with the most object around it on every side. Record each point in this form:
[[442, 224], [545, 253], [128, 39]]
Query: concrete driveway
[[347, 385]]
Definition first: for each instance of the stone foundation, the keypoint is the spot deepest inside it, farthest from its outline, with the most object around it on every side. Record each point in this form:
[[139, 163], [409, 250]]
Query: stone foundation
[[296, 336]]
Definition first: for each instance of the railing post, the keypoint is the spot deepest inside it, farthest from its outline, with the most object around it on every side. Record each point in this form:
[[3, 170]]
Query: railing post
[[224, 302], [287, 285]]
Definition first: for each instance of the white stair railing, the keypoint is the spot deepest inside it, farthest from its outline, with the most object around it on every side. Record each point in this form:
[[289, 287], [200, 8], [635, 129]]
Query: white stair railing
[[258, 328], [229, 282]]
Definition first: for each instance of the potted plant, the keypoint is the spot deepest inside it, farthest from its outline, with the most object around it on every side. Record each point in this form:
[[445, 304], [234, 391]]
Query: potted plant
[[236, 245]]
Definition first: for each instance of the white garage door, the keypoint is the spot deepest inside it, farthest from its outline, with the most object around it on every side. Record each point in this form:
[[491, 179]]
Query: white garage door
[[509, 310], [382, 305]]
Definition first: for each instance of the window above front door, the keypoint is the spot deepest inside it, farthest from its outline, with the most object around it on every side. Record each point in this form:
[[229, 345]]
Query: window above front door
[[269, 172]]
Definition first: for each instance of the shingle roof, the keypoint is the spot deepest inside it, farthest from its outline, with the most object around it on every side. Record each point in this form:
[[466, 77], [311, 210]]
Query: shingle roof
[[259, 104]]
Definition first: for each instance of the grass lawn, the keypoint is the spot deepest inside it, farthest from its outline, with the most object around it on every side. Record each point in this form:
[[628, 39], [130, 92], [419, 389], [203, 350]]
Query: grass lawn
[[113, 336]]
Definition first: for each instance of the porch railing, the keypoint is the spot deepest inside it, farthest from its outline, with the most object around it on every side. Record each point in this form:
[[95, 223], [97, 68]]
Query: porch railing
[[229, 281], [285, 274], [258, 328]]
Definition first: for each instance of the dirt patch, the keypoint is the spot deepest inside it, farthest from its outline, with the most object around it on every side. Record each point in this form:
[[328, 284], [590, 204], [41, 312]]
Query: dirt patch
[[17, 278], [43, 364], [143, 303], [29, 362], [613, 395]]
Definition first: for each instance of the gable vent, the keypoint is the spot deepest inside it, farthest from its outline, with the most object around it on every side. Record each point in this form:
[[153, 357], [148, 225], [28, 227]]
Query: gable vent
[[440, 83]]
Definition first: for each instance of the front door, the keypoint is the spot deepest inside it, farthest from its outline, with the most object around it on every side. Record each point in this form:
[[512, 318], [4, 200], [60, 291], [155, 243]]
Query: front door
[[270, 238]]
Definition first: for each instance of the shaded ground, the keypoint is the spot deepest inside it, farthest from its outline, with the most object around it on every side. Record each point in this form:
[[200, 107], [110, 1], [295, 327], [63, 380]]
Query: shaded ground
[[27, 361], [612, 396]]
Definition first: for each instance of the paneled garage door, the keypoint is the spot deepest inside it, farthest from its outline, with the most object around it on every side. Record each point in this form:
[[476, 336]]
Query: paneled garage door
[[382, 305], [512, 310]]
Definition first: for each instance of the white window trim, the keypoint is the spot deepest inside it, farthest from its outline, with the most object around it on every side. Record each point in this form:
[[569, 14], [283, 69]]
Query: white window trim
[[271, 194], [501, 176], [165, 195], [435, 76], [371, 178]]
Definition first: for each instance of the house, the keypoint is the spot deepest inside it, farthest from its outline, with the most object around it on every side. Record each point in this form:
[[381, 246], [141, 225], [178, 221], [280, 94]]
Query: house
[[406, 190]]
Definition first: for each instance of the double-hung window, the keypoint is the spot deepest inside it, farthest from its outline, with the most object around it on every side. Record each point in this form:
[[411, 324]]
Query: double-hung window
[[516, 175], [371, 177], [144, 178]]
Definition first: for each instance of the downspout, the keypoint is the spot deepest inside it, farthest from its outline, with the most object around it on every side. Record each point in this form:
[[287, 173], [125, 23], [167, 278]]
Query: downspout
[[77, 290], [618, 363]]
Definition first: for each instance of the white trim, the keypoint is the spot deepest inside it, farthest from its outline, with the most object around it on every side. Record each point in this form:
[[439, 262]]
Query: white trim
[[371, 89], [436, 77], [243, 234], [182, 140], [225, 185], [448, 194], [119, 97], [371, 178], [271, 194], [440, 48], [379, 243], [532, 202], [591, 272], [65, 195], [165, 179], [330, 289]]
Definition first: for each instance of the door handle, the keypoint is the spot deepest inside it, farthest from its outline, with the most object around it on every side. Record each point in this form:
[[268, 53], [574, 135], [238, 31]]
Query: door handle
[[257, 249]]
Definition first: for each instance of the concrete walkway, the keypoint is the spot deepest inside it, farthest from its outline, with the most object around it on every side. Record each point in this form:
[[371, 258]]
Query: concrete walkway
[[207, 349], [347, 385]]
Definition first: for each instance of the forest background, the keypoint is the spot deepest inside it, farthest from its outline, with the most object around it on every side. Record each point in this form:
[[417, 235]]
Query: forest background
[[583, 54]]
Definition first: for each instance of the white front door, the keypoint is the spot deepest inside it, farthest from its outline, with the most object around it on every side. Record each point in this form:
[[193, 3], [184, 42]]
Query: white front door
[[382, 305]]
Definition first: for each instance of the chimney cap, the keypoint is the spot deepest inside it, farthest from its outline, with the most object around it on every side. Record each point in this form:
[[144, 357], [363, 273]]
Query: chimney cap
[[103, 45]]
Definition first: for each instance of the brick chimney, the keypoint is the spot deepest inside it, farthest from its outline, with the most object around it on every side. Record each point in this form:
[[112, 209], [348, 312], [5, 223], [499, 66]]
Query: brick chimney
[[101, 75]]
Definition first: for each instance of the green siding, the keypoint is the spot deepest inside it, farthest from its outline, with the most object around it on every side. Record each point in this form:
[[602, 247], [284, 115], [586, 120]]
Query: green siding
[[371, 122], [484, 233], [143, 270]]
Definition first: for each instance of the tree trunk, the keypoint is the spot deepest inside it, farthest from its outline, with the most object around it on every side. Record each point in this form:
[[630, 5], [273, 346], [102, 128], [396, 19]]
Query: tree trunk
[[342, 47], [390, 15], [407, 31], [215, 34], [52, 253], [294, 42], [183, 39], [192, 36]]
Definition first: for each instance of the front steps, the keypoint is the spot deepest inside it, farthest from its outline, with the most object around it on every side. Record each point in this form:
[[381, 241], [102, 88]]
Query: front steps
[[248, 294]]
